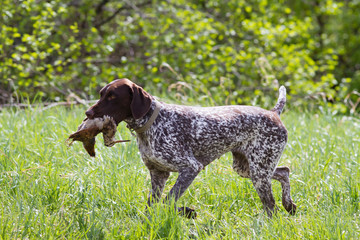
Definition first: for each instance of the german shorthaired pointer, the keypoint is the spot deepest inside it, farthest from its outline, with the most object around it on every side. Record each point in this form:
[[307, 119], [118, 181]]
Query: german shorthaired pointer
[[175, 138]]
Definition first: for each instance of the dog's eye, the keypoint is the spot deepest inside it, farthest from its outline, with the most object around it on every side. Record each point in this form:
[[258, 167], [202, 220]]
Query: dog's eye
[[111, 97]]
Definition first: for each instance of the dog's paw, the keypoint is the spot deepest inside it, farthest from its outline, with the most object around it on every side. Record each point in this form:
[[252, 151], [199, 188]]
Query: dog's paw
[[291, 208], [187, 212]]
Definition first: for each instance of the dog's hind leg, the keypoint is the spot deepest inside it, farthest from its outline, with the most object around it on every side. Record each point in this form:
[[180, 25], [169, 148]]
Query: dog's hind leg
[[282, 175], [260, 175], [262, 183]]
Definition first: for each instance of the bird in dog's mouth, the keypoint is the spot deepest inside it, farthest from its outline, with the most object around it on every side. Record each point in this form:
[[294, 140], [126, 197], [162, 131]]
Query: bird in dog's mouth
[[88, 130]]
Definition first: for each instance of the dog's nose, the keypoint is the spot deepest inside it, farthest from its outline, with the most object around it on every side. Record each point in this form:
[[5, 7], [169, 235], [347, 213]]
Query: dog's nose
[[89, 113]]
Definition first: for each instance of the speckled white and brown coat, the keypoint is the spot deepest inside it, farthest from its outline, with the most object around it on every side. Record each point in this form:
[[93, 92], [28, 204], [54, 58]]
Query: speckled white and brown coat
[[186, 139]]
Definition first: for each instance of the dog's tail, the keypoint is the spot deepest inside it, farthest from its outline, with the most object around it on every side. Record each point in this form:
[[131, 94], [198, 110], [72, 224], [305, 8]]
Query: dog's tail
[[281, 101]]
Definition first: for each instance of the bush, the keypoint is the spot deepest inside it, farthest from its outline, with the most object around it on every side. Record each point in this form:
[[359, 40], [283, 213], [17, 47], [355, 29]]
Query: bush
[[220, 52]]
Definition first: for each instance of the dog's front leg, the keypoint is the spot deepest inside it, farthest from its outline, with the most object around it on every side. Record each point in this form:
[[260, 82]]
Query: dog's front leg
[[158, 180], [185, 178]]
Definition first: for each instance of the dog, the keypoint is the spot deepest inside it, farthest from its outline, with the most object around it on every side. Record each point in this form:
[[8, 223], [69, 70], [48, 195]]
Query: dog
[[185, 139]]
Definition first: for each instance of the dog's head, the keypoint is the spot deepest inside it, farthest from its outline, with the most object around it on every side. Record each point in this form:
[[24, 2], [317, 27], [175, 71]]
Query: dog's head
[[121, 99]]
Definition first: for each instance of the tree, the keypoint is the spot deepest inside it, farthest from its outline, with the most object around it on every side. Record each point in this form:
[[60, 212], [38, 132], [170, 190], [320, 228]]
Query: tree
[[221, 52]]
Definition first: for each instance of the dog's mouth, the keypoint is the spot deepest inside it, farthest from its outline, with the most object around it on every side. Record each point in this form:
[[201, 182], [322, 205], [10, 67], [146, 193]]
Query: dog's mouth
[[116, 117]]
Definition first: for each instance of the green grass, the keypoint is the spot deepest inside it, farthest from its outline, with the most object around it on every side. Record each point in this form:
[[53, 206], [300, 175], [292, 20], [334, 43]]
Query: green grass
[[49, 191]]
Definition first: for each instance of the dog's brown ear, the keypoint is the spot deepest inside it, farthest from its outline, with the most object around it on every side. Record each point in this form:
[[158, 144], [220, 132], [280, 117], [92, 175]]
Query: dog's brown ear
[[140, 103]]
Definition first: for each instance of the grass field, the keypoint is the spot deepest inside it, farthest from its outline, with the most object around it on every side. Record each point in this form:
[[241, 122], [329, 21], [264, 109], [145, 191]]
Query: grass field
[[49, 191]]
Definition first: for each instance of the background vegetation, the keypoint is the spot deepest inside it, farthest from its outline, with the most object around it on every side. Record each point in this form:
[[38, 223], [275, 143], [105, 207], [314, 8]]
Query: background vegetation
[[197, 50]]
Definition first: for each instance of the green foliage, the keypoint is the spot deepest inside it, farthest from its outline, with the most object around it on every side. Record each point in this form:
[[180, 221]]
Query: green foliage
[[218, 52], [50, 191]]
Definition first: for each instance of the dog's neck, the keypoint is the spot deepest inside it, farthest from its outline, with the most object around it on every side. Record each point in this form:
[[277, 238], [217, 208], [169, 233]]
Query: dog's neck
[[136, 124]]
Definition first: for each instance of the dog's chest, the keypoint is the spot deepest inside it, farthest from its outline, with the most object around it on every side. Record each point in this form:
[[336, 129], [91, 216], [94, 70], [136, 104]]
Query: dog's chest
[[154, 158]]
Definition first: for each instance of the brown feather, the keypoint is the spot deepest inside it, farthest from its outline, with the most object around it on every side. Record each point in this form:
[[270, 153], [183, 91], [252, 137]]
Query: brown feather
[[87, 136]]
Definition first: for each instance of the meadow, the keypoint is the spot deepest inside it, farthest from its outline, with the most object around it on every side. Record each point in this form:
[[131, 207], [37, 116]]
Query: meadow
[[50, 191]]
